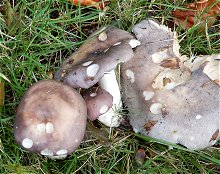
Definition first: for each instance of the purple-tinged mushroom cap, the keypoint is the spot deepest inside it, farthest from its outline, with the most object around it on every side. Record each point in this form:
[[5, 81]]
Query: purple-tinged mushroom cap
[[168, 98], [100, 53], [98, 102], [50, 119]]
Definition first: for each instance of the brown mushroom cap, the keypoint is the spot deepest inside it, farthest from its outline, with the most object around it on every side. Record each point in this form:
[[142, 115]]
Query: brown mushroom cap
[[98, 102], [50, 119], [164, 100], [101, 53]]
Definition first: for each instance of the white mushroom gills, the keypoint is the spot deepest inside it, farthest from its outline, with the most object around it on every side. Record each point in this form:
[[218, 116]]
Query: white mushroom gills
[[130, 75], [27, 143], [156, 108], [148, 95], [92, 70], [103, 36], [134, 43], [104, 109]]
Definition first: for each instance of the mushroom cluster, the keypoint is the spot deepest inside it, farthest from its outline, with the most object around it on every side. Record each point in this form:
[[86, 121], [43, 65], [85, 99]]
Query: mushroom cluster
[[168, 95], [96, 62], [51, 117]]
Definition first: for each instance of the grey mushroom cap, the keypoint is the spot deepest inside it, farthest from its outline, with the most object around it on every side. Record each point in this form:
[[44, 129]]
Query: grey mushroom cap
[[100, 53], [187, 115], [98, 102], [50, 119], [164, 99]]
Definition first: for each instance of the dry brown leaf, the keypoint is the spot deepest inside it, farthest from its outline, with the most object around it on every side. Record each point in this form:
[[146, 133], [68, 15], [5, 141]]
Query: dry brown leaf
[[1, 93], [199, 12], [140, 156], [12, 19], [94, 3]]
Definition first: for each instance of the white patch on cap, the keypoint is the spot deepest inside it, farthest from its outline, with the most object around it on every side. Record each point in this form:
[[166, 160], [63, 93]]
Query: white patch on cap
[[76, 140], [148, 95], [198, 117], [159, 56], [191, 138], [106, 50], [27, 143], [49, 127], [117, 43], [46, 152], [130, 75], [41, 127], [61, 152], [104, 109], [155, 108], [134, 43], [103, 36], [92, 70], [93, 94], [87, 63]]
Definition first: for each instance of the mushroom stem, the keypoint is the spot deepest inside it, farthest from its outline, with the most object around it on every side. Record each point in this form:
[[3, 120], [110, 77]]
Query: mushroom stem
[[109, 83]]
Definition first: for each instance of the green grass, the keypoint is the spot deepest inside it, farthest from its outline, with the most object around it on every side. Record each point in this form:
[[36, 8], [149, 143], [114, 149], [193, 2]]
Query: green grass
[[49, 31]]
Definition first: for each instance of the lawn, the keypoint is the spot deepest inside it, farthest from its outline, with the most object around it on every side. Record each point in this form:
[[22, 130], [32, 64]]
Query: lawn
[[47, 32]]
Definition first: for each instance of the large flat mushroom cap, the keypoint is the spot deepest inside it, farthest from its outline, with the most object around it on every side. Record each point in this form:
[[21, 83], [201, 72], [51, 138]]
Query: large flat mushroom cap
[[50, 119], [187, 115], [164, 99]]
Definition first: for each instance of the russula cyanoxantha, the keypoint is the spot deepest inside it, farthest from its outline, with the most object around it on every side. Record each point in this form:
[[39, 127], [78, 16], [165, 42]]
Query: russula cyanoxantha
[[109, 82], [96, 61], [50, 119], [100, 53], [165, 99], [98, 102]]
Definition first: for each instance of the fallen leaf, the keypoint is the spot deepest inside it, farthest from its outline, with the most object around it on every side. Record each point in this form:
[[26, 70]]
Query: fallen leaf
[[99, 4], [198, 13], [1, 92], [214, 136], [12, 19], [101, 135], [149, 125], [140, 156]]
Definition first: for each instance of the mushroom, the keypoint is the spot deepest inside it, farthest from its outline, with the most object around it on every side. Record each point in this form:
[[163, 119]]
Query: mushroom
[[109, 82], [50, 119], [101, 53], [98, 102], [165, 98], [96, 61]]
